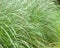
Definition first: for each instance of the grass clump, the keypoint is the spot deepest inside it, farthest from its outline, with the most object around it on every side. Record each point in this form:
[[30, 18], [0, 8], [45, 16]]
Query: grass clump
[[29, 24]]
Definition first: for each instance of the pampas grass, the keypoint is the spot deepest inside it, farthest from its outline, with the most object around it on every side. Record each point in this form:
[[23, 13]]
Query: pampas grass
[[29, 24]]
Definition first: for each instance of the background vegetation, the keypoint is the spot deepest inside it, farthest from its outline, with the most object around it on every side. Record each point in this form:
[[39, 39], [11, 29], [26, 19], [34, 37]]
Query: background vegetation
[[29, 24]]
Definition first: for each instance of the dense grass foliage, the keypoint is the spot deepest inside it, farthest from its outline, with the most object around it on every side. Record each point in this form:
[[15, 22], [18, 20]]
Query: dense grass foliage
[[29, 24]]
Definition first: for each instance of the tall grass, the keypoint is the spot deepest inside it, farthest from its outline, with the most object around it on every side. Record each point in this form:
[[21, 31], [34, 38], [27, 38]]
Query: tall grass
[[29, 24]]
